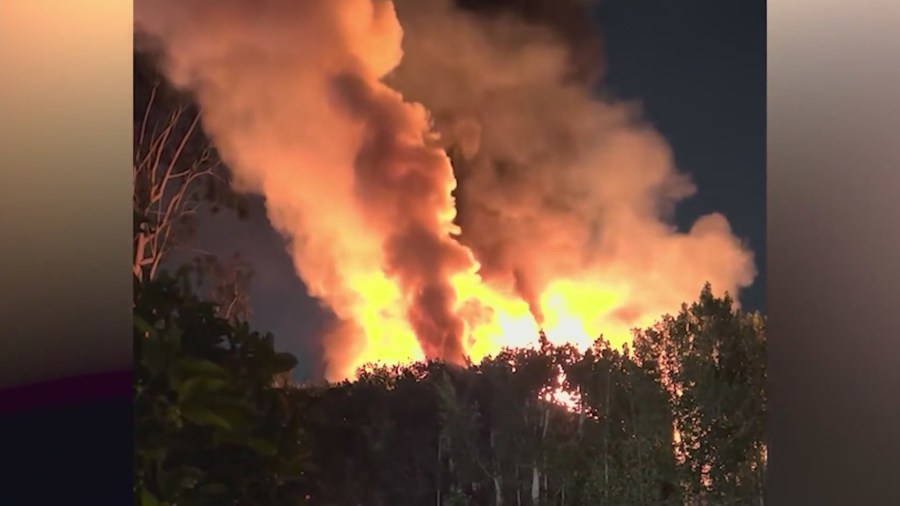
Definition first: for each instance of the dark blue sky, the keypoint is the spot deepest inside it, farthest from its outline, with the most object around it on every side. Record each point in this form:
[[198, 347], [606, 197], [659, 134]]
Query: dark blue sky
[[699, 69]]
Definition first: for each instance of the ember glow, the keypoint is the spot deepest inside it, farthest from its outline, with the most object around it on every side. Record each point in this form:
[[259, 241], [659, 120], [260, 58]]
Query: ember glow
[[560, 222], [557, 394]]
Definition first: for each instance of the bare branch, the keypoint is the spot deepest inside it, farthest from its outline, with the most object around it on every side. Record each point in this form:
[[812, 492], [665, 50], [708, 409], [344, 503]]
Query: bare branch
[[231, 305], [177, 155], [147, 110], [169, 168]]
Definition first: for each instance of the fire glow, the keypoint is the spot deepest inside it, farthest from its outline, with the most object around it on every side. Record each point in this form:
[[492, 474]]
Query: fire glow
[[315, 106]]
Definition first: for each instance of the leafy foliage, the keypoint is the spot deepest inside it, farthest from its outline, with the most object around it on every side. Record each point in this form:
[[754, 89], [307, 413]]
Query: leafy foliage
[[210, 427], [678, 419], [433, 433], [715, 367]]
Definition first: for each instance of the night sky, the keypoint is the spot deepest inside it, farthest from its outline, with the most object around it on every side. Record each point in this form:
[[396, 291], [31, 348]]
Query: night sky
[[699, 70]]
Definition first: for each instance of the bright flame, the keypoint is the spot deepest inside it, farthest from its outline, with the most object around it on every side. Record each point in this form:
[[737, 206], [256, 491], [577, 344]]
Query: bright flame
[[389, 337], [576, 313], [562, 397]]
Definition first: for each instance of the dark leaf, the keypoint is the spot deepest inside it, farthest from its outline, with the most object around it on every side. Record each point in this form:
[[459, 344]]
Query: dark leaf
[[261, 446], [200, 367], [200, 387], [153, 356], [283, 362], [148, 499], [201, 416], [213, 489]]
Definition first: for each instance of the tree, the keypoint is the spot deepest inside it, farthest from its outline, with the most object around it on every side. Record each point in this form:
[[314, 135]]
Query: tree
[[487, 433], [712, 357], [210, 427], [175, 170], [226, 283]]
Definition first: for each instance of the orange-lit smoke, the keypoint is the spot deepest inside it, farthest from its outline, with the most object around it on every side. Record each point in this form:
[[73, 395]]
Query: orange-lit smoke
[[564, 198], [569, 235]]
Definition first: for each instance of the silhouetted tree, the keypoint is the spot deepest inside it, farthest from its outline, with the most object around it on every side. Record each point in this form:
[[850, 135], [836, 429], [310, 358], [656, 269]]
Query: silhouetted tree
[[175, 170], [210, 426], [678, 420]]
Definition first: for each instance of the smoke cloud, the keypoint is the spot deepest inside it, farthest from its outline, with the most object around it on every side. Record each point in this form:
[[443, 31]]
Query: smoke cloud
[[291, 95], [559, 190], [563, 199]]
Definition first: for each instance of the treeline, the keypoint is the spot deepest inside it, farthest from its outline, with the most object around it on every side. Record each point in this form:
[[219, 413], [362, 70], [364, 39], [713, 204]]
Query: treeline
[[485, 434], [679, 418]]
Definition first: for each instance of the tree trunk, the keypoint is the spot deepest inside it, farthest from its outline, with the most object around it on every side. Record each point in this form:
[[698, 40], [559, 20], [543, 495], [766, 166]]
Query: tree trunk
[[581, 416], [518, 488], [139, 256], [640, 454], [497, 477], [536, 476], [546, 423], [546, 479], [606, 440], [438, 488]]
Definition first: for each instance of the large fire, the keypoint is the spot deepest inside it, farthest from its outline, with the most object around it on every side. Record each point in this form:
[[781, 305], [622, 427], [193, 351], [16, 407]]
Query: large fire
[[556, 217], [493, 320]]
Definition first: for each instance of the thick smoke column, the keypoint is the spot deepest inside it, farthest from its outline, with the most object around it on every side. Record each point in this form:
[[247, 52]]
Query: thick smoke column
[[563, 197], [404, 184], [291, 95]]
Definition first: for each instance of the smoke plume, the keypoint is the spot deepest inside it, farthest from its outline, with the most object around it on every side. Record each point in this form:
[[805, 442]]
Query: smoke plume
[[563, 198], [291, 95], [562, 195]]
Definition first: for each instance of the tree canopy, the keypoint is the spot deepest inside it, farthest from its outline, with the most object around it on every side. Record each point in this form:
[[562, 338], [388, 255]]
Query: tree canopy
[[676, 419], [211, 424]]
